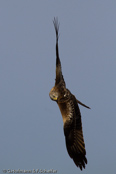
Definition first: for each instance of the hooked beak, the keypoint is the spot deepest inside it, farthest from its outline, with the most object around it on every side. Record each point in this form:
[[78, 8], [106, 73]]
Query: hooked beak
[[53, 97]]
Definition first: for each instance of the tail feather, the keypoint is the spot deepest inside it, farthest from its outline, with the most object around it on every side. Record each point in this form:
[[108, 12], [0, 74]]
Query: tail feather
[[83, 104]]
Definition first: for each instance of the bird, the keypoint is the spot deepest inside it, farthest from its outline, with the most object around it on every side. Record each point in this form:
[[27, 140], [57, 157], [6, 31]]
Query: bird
[[68, 105]]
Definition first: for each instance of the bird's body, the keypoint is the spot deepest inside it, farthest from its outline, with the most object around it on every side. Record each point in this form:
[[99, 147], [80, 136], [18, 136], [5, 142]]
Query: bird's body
[[68, 105]]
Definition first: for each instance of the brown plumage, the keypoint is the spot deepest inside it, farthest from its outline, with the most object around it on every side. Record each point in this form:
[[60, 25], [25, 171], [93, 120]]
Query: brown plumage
[[70, 111]]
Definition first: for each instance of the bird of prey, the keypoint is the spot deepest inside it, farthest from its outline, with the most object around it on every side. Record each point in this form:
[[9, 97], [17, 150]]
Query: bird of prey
[[68, 105]]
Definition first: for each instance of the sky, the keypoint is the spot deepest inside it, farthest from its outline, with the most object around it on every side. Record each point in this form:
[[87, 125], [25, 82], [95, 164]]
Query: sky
[[31, 126]]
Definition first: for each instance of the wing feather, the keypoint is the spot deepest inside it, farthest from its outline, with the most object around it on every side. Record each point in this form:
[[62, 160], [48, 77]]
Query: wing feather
[[59, 76], [74, 135]]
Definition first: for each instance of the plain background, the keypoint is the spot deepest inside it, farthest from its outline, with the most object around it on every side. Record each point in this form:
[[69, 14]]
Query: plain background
[[31, 126]]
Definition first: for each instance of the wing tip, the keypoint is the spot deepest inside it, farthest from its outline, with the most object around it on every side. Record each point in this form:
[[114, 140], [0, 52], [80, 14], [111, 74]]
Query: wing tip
[[80, 162], [56, 26]]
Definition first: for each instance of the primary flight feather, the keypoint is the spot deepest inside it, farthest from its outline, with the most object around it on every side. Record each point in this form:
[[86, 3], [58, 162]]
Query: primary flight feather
[[68, 105]]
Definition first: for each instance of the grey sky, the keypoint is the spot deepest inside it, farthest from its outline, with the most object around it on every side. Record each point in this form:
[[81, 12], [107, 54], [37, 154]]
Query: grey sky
[[31, 127]]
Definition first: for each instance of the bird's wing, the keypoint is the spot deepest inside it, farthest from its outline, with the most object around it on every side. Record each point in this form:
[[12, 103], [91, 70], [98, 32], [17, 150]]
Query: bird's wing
[[74, 134], [59, 76]]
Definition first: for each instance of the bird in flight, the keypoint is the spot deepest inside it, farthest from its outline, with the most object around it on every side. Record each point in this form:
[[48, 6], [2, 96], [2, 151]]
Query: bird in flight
[[68, 105]]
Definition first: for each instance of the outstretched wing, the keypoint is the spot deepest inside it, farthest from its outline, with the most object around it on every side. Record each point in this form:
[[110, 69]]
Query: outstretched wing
[[74, 134], [59, 76]]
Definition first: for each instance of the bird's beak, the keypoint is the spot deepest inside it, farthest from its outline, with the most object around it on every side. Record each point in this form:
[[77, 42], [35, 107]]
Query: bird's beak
[[53, 98]]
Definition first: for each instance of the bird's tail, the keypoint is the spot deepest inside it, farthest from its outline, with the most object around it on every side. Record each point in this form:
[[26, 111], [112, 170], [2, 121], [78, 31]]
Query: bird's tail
[[83, 104]]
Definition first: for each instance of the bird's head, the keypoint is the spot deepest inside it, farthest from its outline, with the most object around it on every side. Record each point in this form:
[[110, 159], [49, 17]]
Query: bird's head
[[53, 94], [59, 93]]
